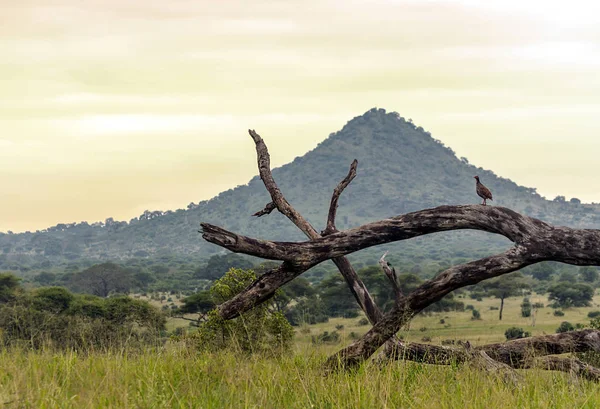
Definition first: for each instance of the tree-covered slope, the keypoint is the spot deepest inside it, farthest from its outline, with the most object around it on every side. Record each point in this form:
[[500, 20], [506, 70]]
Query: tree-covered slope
[[401, 168]]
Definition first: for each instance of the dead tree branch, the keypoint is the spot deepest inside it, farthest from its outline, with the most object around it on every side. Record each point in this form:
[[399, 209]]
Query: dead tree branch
[[517, 353], [357, 287], [391, 274], [570, 365], [534, 241], [335, 197]]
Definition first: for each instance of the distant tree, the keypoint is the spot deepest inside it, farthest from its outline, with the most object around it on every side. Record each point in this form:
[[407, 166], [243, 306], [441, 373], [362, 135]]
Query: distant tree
[[218, 265], [559, 199], [541, 271], [337, 298], [144, 278], [9, 284], [568, 276], [199, 303], [53, 299], [102, 280], [44, 278], [588, 274], [506, 286], [575, 201], [570, 294], [526, 308]]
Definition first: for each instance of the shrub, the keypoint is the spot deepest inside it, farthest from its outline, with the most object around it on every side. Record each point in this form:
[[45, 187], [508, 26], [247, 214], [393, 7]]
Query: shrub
[[326, 338], [565, 326], [476, 315], [442, 321], [558, 313], [363, 321], [492, 308], [423, 329], [469, 307], [593, 314], [516, 333], [259, 330], [426, 339], [526, 308], [339, 327], [538, 305]]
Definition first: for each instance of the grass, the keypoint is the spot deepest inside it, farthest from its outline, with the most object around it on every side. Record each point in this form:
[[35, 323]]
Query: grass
[[177, 379], [174, 377]]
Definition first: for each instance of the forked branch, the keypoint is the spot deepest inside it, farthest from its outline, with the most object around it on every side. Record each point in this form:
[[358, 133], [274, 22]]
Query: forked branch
[[534, 241]]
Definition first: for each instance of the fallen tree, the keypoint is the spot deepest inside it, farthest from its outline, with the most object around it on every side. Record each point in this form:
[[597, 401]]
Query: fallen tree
[[534, 241]]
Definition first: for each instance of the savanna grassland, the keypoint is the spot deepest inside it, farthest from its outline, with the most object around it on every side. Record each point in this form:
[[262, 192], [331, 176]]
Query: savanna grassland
[[177, 377]]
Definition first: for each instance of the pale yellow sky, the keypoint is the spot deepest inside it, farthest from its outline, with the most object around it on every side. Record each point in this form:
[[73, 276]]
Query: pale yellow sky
[[111, 107]]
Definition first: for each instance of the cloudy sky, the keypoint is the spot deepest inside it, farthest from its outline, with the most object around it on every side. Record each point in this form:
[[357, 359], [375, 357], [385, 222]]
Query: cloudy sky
[[111, 107]]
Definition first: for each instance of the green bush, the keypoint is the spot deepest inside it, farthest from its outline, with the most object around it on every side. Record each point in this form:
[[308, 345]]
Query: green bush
[[558, 313], [326, 338], [565, 326], [593, 314], [52, 317], [363, 322], [476, 315], [259, 330], [526, 308], [516, 333]]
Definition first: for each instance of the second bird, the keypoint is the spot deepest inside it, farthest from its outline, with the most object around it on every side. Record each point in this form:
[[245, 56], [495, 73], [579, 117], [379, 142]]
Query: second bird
[[482, 191]]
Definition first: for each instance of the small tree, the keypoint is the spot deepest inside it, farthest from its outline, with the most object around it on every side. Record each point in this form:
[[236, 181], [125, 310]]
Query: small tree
[[516, 333], [526, 308], [259, 330], [565, 326], [506, 286], [568, 294], [588, 274]]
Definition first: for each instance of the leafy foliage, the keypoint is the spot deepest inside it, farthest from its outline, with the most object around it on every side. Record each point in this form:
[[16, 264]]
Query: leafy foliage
[[571, 294], [54, 317], [516, 333], [565, 326], [258, 331]]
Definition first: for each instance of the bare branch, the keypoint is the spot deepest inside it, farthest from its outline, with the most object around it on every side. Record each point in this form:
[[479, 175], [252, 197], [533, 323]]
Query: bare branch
[[264, 169], [269, 207], [335, 197], [391, 274], [534, 240], [428, 293], [357, 287]]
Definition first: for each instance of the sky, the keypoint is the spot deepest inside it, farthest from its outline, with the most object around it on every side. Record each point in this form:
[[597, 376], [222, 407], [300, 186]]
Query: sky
[[112, 107]]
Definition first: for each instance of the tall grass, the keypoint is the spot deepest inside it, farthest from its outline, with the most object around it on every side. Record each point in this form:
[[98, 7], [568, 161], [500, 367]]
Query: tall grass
[[177, 378]]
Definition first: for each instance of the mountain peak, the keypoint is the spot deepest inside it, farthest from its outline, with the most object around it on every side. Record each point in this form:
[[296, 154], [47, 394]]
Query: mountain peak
[[401, 168]]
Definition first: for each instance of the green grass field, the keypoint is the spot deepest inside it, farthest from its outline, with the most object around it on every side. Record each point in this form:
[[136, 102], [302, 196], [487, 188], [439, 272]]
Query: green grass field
[[174, 377]]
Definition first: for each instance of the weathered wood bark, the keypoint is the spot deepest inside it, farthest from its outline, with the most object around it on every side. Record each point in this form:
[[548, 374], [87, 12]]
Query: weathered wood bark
[[279, 202], [534, 241], [570, 365], [517, 353]]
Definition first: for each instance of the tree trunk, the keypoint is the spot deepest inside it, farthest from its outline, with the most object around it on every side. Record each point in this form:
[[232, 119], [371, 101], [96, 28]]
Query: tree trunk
[[501, 308]]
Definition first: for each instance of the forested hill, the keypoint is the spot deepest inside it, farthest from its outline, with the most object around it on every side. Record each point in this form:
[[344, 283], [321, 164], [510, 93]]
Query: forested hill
[[401, 168]]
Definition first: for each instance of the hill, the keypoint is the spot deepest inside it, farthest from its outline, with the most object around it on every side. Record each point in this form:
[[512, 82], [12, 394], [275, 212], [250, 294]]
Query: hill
[[402, 168]]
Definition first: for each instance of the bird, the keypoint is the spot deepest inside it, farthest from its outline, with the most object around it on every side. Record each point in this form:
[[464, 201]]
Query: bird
[[482, 191]]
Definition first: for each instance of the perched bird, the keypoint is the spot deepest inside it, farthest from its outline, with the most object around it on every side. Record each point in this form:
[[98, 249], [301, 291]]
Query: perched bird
[[482, 191]]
